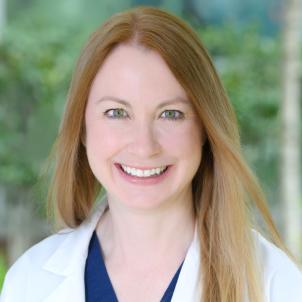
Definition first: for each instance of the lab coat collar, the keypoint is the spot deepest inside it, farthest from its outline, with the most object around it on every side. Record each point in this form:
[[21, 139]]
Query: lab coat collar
[[65, 261], [68, 261]]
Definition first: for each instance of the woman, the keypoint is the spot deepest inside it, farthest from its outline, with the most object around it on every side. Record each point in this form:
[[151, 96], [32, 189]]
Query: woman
[[149, 125]]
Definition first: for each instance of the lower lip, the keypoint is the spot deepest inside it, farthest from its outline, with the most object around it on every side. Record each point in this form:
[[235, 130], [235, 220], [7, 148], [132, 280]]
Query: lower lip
[[151, 180]]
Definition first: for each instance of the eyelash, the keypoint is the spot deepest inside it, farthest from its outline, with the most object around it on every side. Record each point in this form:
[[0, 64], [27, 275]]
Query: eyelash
[[120, 117]]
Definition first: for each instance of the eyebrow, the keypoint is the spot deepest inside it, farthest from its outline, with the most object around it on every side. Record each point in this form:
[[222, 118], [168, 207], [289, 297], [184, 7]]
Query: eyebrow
[[127, 104]]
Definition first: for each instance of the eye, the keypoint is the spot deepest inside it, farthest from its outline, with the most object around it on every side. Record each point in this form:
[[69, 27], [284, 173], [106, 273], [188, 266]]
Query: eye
[[115, 113], [173, 114]]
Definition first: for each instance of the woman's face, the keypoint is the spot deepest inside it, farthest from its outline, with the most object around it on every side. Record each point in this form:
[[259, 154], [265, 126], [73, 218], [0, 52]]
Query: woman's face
[[139, 116]]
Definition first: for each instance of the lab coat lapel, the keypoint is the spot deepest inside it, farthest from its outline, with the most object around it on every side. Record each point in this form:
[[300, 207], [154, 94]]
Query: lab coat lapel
[[68, 261], [70, 289], [188, 285]]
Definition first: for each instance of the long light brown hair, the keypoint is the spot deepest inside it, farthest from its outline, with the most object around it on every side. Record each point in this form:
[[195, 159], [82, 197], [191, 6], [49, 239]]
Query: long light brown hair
[[224, 189]]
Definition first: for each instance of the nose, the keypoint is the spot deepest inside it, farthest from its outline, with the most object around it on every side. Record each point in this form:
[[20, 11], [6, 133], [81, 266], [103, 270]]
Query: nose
[[144, 140]]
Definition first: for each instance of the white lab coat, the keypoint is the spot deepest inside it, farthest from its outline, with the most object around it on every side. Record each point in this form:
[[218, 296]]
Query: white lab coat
[[53, 270]]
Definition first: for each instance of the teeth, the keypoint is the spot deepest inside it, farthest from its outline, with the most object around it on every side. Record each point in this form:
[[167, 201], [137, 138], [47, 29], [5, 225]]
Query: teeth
[[148, 173], [143, 173]]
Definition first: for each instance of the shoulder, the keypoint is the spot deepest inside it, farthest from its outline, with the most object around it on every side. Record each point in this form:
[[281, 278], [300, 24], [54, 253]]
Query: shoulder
[[38, 253], [40, 268], [282, 277], [29, 263]]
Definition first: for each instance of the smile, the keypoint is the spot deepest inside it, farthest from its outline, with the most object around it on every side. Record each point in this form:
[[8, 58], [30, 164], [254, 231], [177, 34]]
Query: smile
[[145, 172]]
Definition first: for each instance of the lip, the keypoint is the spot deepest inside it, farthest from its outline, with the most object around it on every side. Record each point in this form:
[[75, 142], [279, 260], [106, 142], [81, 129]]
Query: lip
[[142, 168], [151, 180]]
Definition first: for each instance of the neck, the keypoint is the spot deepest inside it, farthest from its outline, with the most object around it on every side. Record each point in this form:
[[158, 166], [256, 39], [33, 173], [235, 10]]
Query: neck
[[132, 235]]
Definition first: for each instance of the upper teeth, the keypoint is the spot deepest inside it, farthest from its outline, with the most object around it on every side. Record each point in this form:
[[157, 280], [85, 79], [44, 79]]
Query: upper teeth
[[143, 173]]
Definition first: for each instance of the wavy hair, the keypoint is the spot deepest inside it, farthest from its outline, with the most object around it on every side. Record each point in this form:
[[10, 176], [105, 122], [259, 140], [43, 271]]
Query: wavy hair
[[224, 189]]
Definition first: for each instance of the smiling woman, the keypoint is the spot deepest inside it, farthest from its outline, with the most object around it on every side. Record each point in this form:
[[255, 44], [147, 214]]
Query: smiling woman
[[140, 135], [147, 120]]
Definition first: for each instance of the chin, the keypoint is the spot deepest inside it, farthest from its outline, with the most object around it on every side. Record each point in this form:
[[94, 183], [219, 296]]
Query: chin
[[141, 202]]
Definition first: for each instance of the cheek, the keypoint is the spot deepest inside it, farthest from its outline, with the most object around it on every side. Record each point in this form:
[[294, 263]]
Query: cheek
[[100, 139], [183, 139], [101, 145]]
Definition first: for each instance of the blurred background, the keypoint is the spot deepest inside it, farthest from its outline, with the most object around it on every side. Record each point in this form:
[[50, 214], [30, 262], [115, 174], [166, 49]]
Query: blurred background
[[256, 47]]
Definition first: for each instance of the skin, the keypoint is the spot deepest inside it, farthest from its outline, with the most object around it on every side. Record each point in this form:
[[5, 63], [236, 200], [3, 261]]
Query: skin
[[147, 230]]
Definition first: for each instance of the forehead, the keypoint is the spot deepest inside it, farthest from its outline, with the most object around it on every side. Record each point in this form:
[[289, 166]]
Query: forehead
[[133, 73]]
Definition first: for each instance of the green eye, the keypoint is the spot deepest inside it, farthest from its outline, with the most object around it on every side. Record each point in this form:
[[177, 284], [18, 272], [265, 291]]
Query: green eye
[[115, 113], [173, 114]]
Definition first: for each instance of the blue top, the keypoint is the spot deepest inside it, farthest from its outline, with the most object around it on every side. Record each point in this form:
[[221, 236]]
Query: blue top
[[98, 286]]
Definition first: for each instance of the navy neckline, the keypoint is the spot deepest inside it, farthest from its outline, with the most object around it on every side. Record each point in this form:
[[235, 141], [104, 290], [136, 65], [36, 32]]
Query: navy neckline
[[98, 286]]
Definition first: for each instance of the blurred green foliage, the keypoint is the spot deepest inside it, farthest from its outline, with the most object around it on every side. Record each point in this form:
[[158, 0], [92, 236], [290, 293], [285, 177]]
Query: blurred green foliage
[[36, 59], [32, 78], [250, 67], [39, 52], [2, 270]]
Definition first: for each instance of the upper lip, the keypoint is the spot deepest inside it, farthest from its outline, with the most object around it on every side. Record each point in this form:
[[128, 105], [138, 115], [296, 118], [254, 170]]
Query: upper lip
[[143, 167]]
